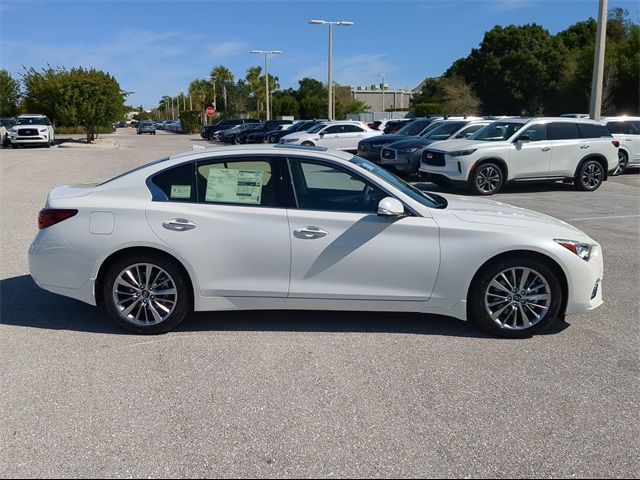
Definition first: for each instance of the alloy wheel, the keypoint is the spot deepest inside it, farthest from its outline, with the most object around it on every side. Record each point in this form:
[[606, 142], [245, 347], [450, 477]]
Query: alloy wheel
[[488, 179], [592, 175], [144, 294], [622, 163], [518, 298]]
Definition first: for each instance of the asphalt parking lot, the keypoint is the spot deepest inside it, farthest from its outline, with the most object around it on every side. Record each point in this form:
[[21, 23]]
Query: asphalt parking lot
[[305, 394]]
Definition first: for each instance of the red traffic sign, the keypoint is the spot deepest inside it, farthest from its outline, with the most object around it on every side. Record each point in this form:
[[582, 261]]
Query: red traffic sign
[[211, 111]]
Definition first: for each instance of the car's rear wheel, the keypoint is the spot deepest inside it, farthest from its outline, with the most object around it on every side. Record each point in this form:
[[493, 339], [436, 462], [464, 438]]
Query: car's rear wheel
[[623, 162], [307, 144], [146, 294], [515, 298], [487, 179], [590, 176]]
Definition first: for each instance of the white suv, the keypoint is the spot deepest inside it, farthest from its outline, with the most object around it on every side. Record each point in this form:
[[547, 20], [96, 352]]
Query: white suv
[[32, 130], [627, 131], [524, 149], [339, 135]]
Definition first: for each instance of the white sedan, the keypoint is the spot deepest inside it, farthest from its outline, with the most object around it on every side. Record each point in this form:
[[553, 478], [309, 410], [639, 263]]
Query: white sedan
[[343, 135], [288, 227]]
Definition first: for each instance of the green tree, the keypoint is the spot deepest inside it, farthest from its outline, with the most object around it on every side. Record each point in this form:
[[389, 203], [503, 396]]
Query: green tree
[[456, 97], [344, 106], [9, 94], [516, 70], [41, 91], [90, 98], [221, 76]]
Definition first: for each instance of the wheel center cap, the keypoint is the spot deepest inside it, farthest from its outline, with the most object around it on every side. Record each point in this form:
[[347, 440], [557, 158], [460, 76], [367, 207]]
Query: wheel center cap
[[145, 293], [517, 298]]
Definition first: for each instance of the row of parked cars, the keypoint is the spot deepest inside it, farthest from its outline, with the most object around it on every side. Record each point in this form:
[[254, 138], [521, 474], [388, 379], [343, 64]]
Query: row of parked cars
[[480, 153]]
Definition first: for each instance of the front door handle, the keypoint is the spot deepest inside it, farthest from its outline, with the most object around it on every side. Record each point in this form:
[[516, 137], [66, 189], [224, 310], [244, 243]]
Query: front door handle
[[546, 149], [310, 232], [627, 139], [179, 225], [584, 146]]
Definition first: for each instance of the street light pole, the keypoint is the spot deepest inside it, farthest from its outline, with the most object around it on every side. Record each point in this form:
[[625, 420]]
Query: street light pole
[[266, 75], [598, 63], [382, 75], [330, 110]]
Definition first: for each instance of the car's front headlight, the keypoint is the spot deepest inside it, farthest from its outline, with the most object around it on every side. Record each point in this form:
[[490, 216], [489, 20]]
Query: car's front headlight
[[43, 130], [581, 249], [462, 153], [409, 150]]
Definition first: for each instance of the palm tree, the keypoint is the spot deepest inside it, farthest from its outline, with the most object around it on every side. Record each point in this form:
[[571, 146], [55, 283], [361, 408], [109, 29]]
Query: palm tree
[[255, 86], [223, 76], [164, 105], [201, 90]]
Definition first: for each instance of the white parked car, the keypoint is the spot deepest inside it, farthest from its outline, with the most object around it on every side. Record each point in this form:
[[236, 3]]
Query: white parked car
[[342, 135], [518, 150], [288, 227], [627, 131], [32, 130]]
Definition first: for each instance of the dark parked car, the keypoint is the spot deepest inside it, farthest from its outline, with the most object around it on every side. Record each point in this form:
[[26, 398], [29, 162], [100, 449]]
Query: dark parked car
[[393, 126], [302, 126], [370, 148], [207, 131], [230, 135], [404, 155], [146, 126], [266, 126]]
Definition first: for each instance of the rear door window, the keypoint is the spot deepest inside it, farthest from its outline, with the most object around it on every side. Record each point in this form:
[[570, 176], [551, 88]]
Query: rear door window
[[563, 131], [589, 130]]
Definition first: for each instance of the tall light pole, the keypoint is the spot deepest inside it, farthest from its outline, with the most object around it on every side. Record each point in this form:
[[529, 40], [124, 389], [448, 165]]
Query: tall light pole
[[266, 54], [382, 75], [330, 71], [598, 63]]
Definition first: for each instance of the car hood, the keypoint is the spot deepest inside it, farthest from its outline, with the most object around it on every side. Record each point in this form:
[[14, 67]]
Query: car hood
[[474, 210], [464, 144], [379, 140], [411, 142]]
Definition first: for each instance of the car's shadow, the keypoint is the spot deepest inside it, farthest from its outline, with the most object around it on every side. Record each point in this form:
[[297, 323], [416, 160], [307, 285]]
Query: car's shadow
[[23, 304]]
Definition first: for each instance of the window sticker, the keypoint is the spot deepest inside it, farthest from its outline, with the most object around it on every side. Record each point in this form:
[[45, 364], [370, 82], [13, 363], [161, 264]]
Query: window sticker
[[180, 191], [234, 186]]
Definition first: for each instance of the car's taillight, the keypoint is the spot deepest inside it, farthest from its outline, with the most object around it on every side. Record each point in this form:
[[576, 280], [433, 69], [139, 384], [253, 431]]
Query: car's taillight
[[51, 216], [616, 143]]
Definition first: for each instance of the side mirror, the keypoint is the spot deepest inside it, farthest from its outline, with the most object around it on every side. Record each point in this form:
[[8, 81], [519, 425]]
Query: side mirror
[[391, 207], [321, 134], [524, 139]]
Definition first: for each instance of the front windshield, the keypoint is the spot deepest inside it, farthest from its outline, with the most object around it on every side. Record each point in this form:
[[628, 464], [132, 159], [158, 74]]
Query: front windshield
[[414, 128], [317, 128], [427, 199], [497, 131], [33, 121], [443, 131]]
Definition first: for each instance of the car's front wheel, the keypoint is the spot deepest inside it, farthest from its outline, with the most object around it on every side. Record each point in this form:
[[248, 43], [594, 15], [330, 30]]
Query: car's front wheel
[[146, 294], [307, 144], [515, 298], [487, 179]]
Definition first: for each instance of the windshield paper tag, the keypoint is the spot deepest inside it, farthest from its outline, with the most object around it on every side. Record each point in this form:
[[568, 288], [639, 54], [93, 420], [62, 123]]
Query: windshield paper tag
[[180, 191], [234, 186]]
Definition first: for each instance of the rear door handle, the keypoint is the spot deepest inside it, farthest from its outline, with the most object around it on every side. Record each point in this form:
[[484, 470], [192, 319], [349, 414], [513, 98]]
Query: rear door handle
[[627, 139], [310, 232], [546, 149], [179, 225]]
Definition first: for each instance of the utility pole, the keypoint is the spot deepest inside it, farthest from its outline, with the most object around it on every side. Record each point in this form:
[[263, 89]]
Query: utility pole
[[382, 75], [266, 54], [598, 62]]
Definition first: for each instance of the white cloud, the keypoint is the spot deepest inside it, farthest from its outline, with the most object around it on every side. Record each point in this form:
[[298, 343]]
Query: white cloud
[[354, 70], [227, 49]]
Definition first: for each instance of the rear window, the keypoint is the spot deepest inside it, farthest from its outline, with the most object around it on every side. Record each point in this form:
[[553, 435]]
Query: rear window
[[590, 130], [631, 127], [177, 183], [563, 131]]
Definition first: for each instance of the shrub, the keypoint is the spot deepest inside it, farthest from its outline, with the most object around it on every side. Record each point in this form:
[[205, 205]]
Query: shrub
[[190, 120], [427, 109]]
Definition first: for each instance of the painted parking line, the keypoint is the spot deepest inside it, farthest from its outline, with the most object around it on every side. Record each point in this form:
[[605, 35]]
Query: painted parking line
[[606, 217]]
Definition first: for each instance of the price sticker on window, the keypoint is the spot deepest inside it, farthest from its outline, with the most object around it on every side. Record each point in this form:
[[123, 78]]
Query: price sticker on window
[[180, 191]]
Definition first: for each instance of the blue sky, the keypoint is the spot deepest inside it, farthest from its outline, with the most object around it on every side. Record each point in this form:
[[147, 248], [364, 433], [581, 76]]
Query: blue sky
[[156, 47]]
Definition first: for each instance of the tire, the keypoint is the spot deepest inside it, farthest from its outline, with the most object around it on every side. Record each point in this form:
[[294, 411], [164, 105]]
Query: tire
[[590, 176], [623, 162], [486, 179], [307, 144], [172, 278], [502, 315]]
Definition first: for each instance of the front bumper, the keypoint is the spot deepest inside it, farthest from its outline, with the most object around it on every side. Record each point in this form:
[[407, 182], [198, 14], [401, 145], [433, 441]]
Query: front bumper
[[30, 139], [585, 282], [371, 153]]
